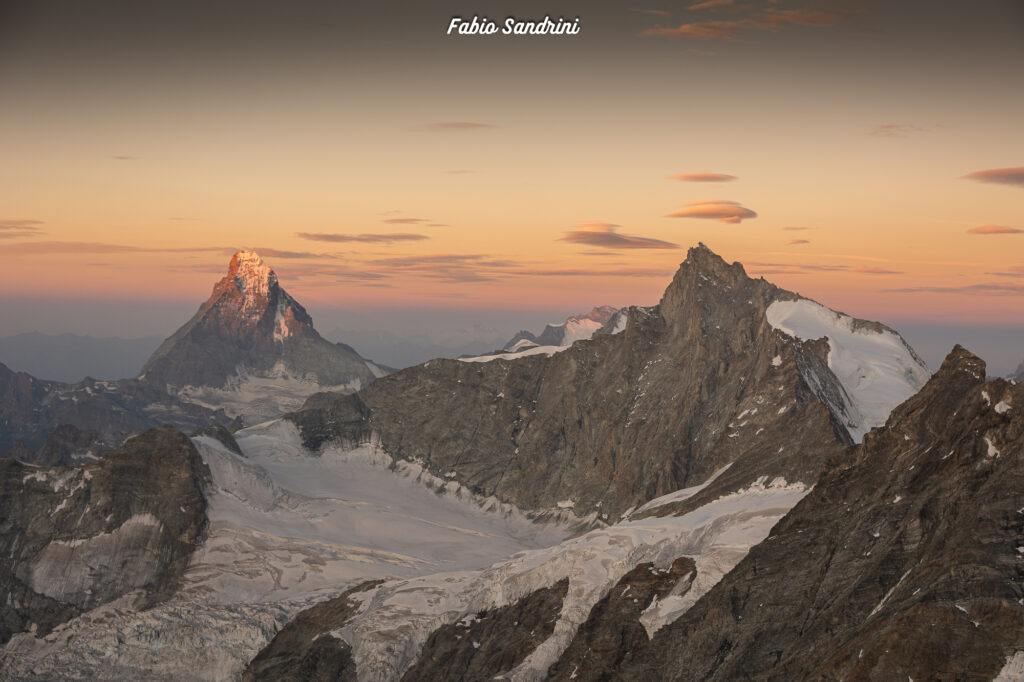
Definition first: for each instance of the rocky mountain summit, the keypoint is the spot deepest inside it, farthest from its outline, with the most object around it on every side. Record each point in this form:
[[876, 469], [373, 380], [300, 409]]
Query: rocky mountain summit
[[574, 328], [252, 349], [725, 370]]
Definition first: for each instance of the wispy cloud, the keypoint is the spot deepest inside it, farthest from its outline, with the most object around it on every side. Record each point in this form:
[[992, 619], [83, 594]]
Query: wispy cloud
[[653, 12], [1013, 271], [361, 238], [406, 221], [896, 130], [14, 229], [454, 126], [799, 241], [984, 289], [606, 236], [866, 270], [712, 4], [124, 157], [460, 171], [994, 229], [999, 176], [55, 247], [703, 177], [769, 19], [598, 272], [702, 30], [714, 209], [797, 229]]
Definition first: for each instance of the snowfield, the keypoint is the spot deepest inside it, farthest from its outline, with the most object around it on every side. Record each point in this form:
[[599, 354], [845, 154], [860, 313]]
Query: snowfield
[[288, 529], [877, 370]]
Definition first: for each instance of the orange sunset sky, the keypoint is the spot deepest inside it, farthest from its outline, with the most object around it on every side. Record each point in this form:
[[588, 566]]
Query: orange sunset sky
[[864, 154]]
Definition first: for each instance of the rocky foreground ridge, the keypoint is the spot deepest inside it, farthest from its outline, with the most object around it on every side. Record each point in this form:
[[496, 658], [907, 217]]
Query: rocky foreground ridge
[[72, 539]]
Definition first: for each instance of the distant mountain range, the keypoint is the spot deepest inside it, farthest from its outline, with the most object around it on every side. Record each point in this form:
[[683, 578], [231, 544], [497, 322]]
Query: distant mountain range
[[735, 483]]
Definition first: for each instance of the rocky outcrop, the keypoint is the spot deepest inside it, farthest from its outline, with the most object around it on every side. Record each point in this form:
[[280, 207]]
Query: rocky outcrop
[[72, 539], [66, 446], [700, 381], [491, 642], [903, 562], [305, 650], [614, 627], [251, 329], [1018, 376]]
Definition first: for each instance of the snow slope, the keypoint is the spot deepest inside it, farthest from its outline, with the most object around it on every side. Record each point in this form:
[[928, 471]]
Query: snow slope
[[533, 350], [877, 369], [398, 616], [287, 528]]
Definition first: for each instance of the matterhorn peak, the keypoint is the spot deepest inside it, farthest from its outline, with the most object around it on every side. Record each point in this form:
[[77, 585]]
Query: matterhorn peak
[[251, 275]]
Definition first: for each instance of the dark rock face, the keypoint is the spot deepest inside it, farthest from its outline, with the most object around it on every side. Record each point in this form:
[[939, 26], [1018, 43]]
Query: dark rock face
[[700, 381], [72, 539], [303, 649], [493, 642], [251, 326], [903, 562], [66, 446], [613, 628], [221, 434]]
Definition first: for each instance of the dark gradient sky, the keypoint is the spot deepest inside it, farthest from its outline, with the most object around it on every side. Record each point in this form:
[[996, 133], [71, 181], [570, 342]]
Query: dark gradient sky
[[140, 142]]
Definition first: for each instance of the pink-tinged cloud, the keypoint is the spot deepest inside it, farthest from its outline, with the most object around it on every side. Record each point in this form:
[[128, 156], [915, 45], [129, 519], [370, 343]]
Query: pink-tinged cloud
[[454, 126], [776, 18], [702, 30], [703, 177], [994, 229], [999, 176], [895, 130], [865, 270], [653, 12], [796, 229], [771, 19], [715, 209], [14, 229], [712, 4], [405, 221], [1013, 271], [985, 289], [606, 236], [800, 241], [361, 238]]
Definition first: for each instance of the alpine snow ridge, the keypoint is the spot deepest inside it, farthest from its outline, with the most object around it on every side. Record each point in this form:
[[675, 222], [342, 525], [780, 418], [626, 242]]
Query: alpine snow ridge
[[252, 349], [574, 328]]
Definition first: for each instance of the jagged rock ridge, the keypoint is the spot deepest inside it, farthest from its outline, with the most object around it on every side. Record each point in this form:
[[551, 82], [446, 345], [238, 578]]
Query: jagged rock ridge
[[702, 380], [904, 561]]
